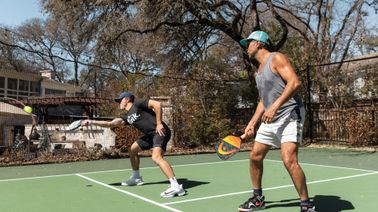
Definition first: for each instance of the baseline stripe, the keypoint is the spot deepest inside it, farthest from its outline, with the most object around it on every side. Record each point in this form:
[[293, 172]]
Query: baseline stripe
[[182, 165], [129, 193], [115, 170]]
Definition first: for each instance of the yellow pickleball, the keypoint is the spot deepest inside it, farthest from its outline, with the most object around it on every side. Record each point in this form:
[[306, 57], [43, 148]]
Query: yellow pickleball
[[28, 109]]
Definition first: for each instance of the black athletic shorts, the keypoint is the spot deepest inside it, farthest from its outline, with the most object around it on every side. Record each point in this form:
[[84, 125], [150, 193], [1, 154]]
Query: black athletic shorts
[[154, 140]]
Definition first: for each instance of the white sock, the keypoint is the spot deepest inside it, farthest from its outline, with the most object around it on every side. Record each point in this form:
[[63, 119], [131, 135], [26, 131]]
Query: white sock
[[136, 174], [173, 182]]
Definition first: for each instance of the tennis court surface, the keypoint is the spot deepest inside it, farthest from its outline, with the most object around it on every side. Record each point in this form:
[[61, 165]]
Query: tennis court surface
[[338, 180]]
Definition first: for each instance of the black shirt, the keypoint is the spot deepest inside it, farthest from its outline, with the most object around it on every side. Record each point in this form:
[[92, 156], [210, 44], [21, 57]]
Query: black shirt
[[141, 117]]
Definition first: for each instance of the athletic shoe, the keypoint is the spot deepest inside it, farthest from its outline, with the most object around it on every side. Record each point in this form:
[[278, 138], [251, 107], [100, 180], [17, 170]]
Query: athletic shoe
[[173, 191], [307, 208], [254, 203], [132, 181]]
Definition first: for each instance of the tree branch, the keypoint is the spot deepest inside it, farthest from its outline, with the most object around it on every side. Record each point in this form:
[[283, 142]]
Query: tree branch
[[282, 22], [357, 3]]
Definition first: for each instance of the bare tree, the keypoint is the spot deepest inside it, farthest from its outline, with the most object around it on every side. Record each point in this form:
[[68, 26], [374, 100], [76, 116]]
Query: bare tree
[[187, 29], [42, 38], [76, 30], [11, 58]]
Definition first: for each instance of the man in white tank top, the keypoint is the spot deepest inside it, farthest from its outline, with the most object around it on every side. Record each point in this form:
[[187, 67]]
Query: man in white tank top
[[281, 113]]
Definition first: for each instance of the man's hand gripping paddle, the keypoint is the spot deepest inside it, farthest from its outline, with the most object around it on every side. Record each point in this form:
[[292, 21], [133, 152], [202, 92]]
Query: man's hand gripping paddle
[[228, 146]]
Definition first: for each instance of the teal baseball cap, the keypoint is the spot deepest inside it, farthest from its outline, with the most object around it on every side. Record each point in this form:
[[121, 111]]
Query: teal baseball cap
[[256, 35]]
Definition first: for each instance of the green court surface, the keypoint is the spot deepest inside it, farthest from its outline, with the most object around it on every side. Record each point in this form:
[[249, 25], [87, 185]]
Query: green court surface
[[338, 180]]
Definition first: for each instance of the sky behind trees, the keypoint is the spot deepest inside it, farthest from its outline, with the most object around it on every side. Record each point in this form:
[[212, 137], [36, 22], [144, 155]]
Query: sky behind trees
[[15, 12]]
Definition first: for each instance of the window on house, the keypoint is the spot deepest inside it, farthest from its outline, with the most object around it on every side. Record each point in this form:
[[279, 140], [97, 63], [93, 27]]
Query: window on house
[[23, 85], [2, 86], [79, 94], [12, 88], [12, 84], [23, 88], [34, 89], [2, 82], [55, 92]]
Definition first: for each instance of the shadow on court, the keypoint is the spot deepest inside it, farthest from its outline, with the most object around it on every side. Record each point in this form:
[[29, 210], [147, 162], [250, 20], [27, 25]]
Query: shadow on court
[[184, 181], [323, 203], [331, 203]]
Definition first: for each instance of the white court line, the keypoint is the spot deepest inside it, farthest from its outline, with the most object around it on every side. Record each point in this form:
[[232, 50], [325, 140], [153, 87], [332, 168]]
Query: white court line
[[326, 166], [183, 165], [115, 170], [129, 193], [265, 189]]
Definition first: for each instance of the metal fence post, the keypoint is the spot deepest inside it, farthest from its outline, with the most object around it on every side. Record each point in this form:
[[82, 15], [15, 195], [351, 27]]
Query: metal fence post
[[309, 106]]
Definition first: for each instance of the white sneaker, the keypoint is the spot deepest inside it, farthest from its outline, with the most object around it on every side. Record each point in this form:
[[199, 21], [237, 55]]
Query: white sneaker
[[132, 181], [173, 191]]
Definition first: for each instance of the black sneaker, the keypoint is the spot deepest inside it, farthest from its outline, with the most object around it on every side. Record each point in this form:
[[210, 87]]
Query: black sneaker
[[254, 203], [307, 208]]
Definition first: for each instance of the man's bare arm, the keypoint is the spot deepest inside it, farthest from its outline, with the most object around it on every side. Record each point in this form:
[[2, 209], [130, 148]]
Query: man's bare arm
[[158, 111], [114, 123], [282, 66], [152, 104]]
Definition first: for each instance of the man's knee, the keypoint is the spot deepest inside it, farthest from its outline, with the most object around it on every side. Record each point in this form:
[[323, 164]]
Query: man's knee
[[157, 155], [157, 158], [290, 162], [289, 155], [134, 149], [258, 152], [256, 157]]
